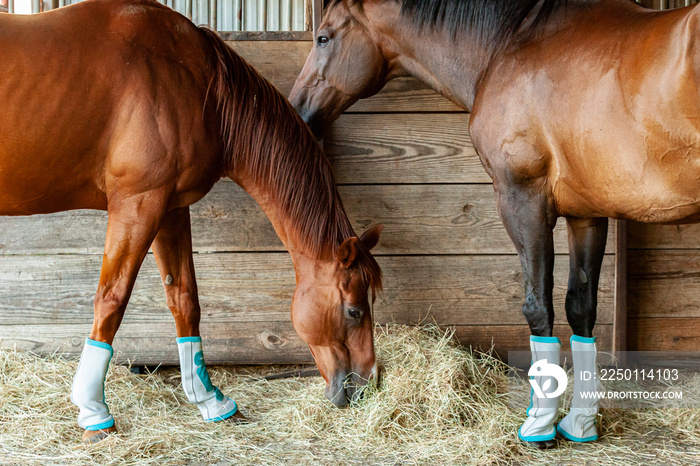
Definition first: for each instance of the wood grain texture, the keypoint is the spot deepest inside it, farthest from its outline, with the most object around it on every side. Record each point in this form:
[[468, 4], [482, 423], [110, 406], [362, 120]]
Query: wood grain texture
[[664, 334], [505, 338], [664, 283], [239, 287], [246, 343], [403, 148], [282, 61], [227, 343], [419, 219], [620, 292], [654, 236], [273, 36]]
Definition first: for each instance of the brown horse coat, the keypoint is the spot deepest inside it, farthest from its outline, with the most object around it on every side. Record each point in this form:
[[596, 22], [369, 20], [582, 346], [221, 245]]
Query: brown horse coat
[[126, 106]]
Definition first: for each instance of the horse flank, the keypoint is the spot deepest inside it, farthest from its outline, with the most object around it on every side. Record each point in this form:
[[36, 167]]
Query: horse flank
[[281, 154]]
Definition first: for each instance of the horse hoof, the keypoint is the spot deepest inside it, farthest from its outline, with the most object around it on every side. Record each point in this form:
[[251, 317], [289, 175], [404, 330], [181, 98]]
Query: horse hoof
[[545, 445], [94, 436], [238, 418]]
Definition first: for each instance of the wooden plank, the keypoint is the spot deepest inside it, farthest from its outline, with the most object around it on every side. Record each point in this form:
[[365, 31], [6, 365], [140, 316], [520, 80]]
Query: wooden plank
[[664, 284], [242, 343], [404, 148], [664, 334], [272, 36], [239, 288], [419, 219], [227, 342], [282, 61], [405, 95], [620, 308], [654, 236], [505, 338]]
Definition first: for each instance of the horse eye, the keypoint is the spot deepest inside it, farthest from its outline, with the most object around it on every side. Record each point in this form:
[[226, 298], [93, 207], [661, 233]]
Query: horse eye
[[322, 40], [354, 313]]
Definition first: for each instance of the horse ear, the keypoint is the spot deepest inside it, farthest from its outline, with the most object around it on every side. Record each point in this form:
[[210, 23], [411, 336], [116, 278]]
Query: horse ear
[[370, 238], [347, 252]]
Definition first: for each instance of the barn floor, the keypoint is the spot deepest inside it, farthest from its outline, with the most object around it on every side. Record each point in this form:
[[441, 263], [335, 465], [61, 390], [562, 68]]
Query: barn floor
[[438, 404]]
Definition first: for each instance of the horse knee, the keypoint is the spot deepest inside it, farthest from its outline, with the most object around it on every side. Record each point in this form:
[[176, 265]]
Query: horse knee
[[537, 316], [109, 307], [184, 305], [581, 311]]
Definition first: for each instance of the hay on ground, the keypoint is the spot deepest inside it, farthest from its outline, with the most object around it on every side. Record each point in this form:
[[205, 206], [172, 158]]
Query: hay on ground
[[438, 403]]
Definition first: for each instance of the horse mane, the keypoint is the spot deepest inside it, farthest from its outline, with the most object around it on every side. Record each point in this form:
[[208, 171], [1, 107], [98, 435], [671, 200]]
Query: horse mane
[[492, 21], [264, 137]]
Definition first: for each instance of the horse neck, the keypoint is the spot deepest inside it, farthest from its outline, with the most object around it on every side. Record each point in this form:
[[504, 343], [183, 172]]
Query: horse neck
[[450, 66], [307, 261]]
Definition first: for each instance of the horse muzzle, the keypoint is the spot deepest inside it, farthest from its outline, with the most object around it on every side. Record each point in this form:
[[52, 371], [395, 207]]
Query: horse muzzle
[[345, 388]]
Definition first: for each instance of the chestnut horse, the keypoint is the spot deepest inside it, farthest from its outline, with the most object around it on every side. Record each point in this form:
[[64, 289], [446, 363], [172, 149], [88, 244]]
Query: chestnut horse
[[135, 110], [582, 109]]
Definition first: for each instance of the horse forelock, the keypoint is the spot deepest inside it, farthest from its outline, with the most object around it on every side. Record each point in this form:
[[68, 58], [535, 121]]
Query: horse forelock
[[265, 138]]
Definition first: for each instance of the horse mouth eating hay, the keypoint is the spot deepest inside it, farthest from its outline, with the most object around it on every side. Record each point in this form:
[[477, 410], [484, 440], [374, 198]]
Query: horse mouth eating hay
[[142, 123], [572, 116]]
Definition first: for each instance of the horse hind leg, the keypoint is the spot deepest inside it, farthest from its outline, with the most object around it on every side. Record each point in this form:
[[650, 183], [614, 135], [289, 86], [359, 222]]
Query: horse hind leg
[[130, 231], [587, 239], [172, 248], [529, 221]]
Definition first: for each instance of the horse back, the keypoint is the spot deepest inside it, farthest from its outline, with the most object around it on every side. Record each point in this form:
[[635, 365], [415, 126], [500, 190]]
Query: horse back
[[100, 98], [606, 111]]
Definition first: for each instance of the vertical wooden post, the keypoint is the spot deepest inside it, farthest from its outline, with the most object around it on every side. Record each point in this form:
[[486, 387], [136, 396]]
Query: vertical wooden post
[[317, 14], [213, 5], [620, 311], [279, 15], [308, 15], [290, 13], [263, 15]]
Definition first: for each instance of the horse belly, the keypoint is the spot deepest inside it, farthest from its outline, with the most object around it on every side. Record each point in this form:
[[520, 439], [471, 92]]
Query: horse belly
[[38, 192], [645, 178]]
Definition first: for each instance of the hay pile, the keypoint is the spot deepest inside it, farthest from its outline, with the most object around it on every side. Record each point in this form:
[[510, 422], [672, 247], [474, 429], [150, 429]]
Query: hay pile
[[438, 404]]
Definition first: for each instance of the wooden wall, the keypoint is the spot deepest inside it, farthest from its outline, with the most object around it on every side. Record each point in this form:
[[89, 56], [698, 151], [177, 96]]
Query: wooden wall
[[402, 158]]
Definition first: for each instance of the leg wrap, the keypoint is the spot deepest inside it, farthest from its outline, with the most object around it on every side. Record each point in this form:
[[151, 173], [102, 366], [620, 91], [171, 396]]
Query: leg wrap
[[580, 424], [214, 405], [542, 413], [88, 386]]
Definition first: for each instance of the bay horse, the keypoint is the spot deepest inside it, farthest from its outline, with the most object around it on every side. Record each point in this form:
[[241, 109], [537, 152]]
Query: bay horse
[[582, 109], [134, 110]]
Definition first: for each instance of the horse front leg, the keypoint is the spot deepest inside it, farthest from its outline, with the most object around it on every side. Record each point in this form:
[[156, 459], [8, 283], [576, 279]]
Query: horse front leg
[[587, 239], [172, 248], [529, 220], [132, 226]]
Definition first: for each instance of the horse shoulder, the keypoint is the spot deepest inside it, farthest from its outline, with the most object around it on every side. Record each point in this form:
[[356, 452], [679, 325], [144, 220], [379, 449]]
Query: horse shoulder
[[506, 134], [163, 132]]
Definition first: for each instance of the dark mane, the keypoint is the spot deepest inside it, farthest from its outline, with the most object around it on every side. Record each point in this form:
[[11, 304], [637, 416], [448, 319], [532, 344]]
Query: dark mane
[[264, 137], [492, 21]]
